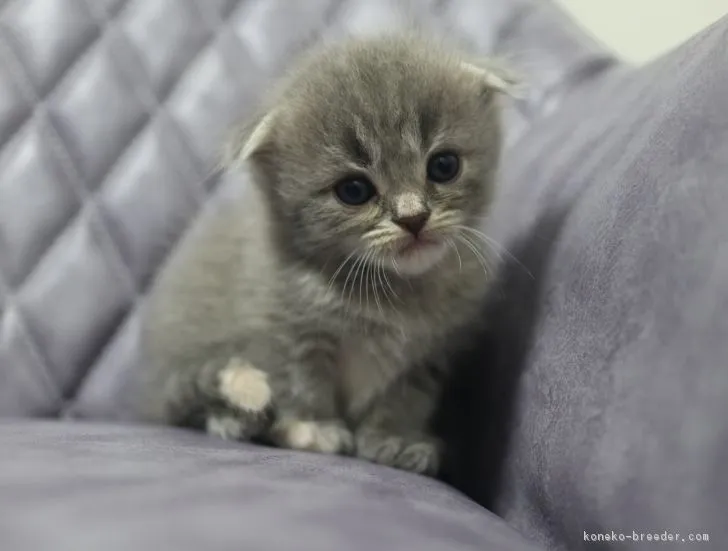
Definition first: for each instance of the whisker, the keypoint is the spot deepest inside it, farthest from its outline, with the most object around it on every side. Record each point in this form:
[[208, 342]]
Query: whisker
[[480, 237], [476, 253], [374, 234], [493, 244], [389, 285], [454, 247], [360, 278], [352, 271], [484, 260], [399, 274], [446, 218], [396, 268], [366, 278], [482, 255], [380, 279], [338, 270], [383, 243], [375, 273]]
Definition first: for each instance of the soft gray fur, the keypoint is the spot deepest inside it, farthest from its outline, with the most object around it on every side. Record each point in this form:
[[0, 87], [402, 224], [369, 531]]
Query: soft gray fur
[[293, 318]]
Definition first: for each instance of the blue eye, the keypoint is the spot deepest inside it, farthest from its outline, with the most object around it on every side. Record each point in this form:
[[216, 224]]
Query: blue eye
[[443, 167], [355, 191]]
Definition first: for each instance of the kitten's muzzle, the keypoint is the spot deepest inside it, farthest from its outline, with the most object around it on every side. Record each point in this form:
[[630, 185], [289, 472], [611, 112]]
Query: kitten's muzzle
[[417, 243]]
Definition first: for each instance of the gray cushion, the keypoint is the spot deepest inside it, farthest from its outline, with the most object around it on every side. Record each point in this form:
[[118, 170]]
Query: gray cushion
[[76, 487], [111, 116], [610, 346], [599, 400]]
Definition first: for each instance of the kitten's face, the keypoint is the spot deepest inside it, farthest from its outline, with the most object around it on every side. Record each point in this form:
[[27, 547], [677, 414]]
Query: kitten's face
[[381, 152]]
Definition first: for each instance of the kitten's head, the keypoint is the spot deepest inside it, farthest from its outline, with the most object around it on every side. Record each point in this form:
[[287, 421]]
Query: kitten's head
[[380, 149]]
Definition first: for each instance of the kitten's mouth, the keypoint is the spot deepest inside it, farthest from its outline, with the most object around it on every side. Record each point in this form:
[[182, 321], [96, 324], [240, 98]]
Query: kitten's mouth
[[417, 245], [415, 256]]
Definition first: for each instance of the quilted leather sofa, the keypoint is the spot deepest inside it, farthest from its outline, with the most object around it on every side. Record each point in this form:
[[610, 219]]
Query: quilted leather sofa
[[593, 415]]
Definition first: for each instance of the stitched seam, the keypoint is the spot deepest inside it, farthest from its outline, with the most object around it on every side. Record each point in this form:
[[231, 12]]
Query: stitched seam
[[86, 198], [64, 158], [102, 15], [72, 398], [212, 18], [15, 126], [11, 61], [73, 68], [157, 104], [46, 374], [110, 251], [140, 291], [50, 374]]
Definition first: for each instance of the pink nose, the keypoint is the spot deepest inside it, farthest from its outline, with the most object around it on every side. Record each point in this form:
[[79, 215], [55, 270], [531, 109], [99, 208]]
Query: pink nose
[[414, 223]]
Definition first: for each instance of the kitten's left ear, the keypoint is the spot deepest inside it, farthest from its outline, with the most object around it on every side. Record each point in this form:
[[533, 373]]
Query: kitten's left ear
[[495, 77], [249, 141]]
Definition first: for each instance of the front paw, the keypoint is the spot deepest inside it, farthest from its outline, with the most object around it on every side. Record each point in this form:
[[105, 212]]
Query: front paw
[[331, 437], [416, 453], [236, 425]]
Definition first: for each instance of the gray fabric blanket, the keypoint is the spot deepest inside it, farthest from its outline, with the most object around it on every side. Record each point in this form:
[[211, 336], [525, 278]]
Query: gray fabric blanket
[[593, 415]]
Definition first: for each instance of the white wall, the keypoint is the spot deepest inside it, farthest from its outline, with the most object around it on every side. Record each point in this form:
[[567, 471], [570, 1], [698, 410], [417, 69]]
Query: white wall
[[640, 30]]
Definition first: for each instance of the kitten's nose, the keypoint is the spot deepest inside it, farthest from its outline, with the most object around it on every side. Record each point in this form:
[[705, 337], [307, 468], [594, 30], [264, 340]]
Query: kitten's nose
[[413, 223]]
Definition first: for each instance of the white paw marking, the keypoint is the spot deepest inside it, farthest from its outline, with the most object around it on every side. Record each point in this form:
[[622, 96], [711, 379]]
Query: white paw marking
[[300, 435], [315, 437], [245, 386], [227, 428]]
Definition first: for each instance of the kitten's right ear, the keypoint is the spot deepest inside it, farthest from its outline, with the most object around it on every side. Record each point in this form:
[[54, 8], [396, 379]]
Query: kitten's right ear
[[495, 76], [251, 140]]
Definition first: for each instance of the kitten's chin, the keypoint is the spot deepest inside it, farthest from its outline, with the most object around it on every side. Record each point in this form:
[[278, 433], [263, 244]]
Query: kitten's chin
[[418, 259]]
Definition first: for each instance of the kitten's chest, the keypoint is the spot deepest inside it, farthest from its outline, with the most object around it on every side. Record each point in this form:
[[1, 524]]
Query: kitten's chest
[[369, 364]]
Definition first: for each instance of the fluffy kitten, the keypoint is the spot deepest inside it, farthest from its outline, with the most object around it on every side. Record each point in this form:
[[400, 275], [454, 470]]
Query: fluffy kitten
[[316, 312]]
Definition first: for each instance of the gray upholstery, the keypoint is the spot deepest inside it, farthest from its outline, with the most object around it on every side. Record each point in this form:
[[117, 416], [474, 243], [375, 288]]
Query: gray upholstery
[[114, 488], [112, 117], [617, 206], [597, 403]]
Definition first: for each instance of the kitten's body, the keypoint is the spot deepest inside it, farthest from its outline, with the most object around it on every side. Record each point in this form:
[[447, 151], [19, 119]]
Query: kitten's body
[[287, 316]]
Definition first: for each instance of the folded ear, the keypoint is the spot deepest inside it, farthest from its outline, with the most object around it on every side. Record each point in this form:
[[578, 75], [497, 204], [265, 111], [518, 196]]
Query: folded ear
[[495, 77], [251, 140]]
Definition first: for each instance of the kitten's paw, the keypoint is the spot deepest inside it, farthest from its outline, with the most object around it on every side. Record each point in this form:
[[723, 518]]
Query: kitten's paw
[[244, 386], [418, 453], [237, 424], [316, 436], [224, 426]]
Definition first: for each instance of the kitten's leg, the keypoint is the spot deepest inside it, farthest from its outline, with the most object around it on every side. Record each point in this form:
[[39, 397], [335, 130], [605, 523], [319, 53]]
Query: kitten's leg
[[306, 401], [227, 397], [331, 437], [248, 399], [395, 430]]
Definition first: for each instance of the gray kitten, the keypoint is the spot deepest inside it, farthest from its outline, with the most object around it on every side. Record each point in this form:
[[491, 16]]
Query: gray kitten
[[316, 312]]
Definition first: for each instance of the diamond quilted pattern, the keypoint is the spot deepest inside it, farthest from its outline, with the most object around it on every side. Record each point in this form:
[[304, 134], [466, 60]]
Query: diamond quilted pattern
[[166, 35], [218, 87], [264, 28], [218, 9], [110, 390], [26, 386], [149, 198], [14, 105], [362, 17], [47, 51], [105, 8], [75, 297], [36, 201], [98, 109], [112, 114]]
